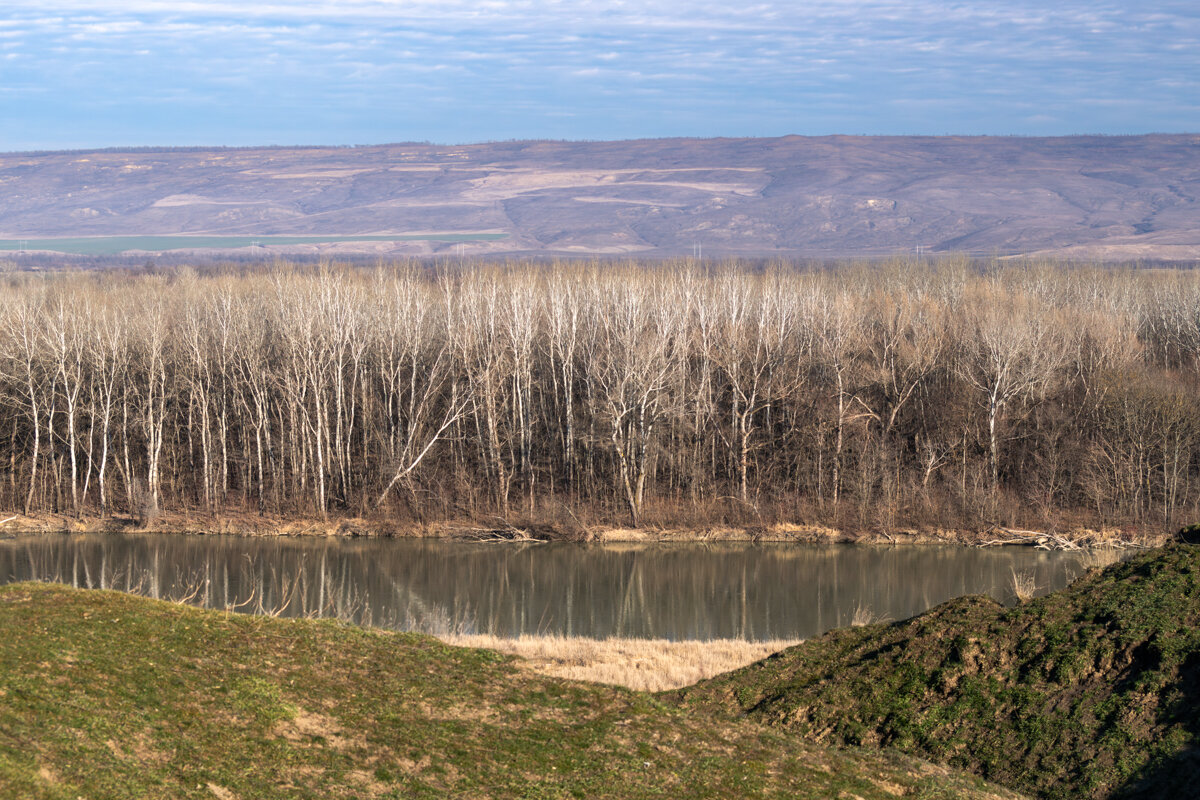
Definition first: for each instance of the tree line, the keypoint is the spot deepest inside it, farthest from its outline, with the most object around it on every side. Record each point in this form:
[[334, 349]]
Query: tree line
[[880, 396]]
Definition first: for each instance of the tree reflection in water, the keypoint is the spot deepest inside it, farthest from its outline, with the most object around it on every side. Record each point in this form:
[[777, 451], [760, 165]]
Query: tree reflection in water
[[676, 591]]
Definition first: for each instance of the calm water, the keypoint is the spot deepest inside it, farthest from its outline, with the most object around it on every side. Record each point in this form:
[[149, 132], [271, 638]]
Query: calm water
[[692, 591]]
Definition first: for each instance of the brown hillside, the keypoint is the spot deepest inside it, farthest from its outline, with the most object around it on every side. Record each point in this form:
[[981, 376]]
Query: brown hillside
[[1079, 197]]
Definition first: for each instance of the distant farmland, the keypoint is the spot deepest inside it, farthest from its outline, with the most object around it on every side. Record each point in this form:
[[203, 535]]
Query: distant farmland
[[112, 245]]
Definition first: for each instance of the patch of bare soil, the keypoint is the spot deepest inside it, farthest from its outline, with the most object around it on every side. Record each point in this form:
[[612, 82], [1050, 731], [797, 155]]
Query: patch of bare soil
[[220, 792], [308, 727]]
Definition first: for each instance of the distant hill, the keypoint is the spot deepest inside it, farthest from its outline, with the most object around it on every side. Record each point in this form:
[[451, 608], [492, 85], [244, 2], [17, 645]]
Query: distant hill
[[1079, 197]]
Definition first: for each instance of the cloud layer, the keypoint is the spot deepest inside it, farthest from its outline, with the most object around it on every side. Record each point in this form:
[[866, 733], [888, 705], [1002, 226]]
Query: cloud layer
[[77, 73]]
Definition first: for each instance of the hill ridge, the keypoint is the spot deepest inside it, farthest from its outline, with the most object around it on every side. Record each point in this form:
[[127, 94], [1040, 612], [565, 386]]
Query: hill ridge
[[1080, 197]]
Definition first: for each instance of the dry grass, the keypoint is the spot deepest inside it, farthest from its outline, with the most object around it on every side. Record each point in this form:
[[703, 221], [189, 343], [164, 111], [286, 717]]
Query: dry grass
[[650, 665], [1106, 545], [863, 615], [1023, 586]]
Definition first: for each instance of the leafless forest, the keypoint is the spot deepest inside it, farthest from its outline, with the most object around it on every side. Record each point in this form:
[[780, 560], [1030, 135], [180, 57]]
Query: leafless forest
[[882, 396]]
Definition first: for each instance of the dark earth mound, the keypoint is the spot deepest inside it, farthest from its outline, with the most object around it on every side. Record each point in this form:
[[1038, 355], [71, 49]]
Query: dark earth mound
[[1093, 691]]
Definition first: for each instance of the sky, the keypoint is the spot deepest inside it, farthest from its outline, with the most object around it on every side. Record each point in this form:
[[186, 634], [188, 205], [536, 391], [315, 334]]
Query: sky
[[115, 73]]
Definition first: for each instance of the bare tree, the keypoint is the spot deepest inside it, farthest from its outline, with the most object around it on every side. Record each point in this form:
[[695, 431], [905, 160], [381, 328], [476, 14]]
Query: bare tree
[[635, 355], [1010, 350], [622, 389], [422, 380]]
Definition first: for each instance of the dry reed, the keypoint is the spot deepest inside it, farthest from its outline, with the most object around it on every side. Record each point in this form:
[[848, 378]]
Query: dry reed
[[1023, 586], [645, 664]]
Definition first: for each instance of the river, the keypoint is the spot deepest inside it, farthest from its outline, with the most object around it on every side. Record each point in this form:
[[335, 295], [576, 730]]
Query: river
[[671, 591]]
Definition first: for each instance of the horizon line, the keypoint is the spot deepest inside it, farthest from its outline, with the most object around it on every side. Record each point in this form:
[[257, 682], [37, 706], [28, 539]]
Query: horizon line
[[427, 143]]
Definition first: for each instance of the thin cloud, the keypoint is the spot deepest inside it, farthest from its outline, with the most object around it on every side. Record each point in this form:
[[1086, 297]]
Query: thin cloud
[[776, 67]]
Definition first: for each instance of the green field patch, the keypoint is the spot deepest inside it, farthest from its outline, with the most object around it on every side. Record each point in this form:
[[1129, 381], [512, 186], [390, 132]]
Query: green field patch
[[113, 245]]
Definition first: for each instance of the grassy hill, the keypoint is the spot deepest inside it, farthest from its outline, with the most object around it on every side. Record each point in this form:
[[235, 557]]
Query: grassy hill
[[1093, 691], [105, 695], [1090, 692]]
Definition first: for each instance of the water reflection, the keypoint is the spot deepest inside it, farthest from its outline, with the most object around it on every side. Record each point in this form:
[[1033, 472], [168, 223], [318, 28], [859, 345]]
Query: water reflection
[[692, 591]]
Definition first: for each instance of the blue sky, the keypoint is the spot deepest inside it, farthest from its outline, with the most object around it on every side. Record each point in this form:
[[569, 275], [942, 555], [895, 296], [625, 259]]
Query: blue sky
[[96, 73]]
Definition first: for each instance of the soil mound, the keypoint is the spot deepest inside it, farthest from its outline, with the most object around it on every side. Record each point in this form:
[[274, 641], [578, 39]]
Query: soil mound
[[1093, 691]]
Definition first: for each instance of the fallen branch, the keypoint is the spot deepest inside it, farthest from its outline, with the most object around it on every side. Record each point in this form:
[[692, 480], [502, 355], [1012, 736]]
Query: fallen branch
[[502, 533], [1045, 540]]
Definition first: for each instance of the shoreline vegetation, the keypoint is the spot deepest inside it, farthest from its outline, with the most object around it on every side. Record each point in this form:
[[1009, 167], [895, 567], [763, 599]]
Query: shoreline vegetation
[[565, 399], [249, 524]]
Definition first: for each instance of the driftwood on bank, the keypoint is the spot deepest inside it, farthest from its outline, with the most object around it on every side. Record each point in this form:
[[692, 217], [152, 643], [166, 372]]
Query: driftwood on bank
[[500, 533], [1046, 540]]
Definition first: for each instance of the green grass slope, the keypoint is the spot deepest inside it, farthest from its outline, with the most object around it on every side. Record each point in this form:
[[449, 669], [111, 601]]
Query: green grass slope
[[1093, 691], [104, 695]]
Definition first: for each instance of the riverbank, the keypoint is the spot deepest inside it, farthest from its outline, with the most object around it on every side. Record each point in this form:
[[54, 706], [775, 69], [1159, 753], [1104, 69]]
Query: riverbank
[[250, 524], [104, 694]]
